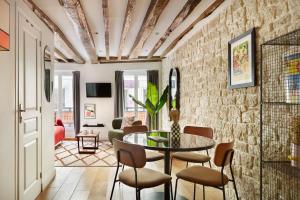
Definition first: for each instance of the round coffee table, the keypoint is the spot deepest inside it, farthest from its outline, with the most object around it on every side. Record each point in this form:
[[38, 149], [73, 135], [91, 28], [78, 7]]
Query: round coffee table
[[164, 141]]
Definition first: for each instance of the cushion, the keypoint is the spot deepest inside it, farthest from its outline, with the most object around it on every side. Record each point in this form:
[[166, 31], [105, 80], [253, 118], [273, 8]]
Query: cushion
[[191, 157], [146, 178], [153, 156], [203, 175], [127, 121]]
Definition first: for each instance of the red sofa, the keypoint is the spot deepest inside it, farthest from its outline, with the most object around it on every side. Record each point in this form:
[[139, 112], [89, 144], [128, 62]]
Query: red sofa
[[59, 131]]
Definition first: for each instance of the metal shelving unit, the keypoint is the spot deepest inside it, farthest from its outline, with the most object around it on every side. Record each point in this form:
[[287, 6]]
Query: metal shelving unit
[[280, 113]]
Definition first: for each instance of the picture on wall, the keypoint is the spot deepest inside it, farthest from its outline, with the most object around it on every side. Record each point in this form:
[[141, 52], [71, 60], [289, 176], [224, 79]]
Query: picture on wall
[[241, 60], [90, 111], [4, 26], [292, 78]]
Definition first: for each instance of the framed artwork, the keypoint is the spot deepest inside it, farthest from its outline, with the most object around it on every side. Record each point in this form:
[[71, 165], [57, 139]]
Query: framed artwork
[[4, 26], [292, 78], [241, 60], [90, 111]]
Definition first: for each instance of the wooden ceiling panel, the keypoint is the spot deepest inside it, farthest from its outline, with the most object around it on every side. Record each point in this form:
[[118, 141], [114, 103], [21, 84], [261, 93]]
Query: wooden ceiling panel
[[106, 26], [155, 9], [61, 39], [189, 6], [77, 17], [126, 25]]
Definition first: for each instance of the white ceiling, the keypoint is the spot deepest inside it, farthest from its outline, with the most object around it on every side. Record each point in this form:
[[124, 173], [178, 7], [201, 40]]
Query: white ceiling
[[117, 9]]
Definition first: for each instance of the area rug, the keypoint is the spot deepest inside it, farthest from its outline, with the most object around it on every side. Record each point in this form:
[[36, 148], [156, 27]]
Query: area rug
[[66, 155]]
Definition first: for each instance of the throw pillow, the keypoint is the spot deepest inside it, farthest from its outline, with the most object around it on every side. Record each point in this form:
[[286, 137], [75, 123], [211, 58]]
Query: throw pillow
[[127, 121]]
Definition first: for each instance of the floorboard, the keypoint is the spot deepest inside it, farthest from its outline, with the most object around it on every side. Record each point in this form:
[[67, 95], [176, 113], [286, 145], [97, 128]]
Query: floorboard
[[95, 183]]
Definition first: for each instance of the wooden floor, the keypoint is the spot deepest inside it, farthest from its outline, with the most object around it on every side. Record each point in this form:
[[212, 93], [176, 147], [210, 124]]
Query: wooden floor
[[81, 183]]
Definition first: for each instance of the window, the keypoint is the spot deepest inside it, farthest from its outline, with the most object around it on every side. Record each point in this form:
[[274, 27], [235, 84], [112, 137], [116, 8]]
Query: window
[[135, 84], [63, 97]]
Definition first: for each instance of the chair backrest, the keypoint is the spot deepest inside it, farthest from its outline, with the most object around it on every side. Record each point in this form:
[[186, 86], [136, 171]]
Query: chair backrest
[[137, 123], [130, 154], [223, 154], [197, 130], [133, 129]]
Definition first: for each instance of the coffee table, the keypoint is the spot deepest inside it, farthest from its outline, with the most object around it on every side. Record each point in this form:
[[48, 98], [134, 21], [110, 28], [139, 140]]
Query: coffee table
[[87, 149]]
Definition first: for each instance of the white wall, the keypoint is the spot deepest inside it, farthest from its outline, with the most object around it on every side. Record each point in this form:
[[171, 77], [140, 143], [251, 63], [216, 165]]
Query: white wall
[[102, 73], [8, 102], [7, 116]]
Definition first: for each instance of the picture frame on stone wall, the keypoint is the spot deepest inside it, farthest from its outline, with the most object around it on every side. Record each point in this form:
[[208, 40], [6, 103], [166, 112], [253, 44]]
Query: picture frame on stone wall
[[90, 111], [241, 60]]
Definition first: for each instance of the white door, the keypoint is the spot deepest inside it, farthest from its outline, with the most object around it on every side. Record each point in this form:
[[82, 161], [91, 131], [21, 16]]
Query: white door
[[29, 101]]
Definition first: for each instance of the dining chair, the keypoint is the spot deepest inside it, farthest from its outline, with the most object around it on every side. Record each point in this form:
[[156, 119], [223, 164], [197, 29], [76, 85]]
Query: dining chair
[[210, 177], [136, 176], [150, 155], [194, 157]]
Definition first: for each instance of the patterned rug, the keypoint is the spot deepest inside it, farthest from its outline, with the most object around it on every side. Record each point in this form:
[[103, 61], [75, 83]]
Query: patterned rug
[[66, 155]]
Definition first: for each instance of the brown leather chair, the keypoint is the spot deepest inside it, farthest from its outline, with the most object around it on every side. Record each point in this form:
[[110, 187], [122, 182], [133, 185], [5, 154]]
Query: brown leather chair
[[210, 177], [150, 155], [137, 176], [192, 156]]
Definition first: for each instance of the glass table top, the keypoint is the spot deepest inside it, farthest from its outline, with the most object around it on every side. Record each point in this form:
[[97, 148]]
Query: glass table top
[[164, 141]]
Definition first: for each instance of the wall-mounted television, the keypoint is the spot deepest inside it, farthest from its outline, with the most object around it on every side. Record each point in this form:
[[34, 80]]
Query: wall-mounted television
[[100, 90]]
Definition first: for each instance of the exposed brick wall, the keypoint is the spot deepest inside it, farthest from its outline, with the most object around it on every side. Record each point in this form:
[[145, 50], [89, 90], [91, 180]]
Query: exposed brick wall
[[205, 99]]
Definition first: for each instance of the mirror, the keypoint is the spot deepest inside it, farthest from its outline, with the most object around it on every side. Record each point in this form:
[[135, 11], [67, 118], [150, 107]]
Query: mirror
[[48, 82], [174, 89]]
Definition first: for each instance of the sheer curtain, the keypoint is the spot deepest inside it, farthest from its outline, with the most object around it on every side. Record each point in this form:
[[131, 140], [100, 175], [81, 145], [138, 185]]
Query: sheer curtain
[[76, 101], [152, 76], [119, 93]]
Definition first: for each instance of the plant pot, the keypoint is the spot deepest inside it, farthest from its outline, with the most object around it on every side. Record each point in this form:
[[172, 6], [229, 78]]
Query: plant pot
[[295, 155]]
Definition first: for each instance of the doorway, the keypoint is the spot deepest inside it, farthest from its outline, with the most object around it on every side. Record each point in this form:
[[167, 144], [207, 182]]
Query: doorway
[[63, 100]]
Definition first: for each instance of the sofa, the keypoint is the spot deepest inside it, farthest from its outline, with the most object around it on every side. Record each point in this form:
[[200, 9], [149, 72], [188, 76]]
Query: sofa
[[59, 131], [117, 132]]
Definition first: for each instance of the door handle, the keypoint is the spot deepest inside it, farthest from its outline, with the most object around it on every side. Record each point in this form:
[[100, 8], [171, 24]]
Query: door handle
[[20, 111]]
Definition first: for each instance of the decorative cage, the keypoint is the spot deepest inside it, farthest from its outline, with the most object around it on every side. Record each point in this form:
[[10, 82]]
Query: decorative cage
[[280, 118]]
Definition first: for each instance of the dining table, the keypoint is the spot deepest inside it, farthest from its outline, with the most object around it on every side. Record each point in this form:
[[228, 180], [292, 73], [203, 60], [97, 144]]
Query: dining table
[[165, 141]]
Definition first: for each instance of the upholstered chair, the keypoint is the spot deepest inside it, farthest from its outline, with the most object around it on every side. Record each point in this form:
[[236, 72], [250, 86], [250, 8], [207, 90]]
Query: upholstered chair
[[136, 176], [150, 155], [194, 157], [210, 177]]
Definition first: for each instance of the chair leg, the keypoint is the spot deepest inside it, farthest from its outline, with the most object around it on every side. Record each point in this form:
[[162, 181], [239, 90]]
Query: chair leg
[[187, 164], [224, 197], [234, 185], [171, 189], [112, 191], [137, 197], [209, 160], [203, 192], [175, 189], [123, 167], [194, 191]]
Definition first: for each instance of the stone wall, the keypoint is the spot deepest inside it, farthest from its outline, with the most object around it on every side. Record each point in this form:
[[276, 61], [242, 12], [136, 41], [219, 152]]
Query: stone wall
[[205, 98]]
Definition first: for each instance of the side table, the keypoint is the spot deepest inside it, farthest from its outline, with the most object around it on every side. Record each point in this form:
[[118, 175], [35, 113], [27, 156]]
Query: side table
[[87, 149]]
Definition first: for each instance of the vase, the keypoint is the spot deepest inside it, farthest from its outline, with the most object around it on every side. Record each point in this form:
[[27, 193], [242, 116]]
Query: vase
[[295, 155], [175, 134]]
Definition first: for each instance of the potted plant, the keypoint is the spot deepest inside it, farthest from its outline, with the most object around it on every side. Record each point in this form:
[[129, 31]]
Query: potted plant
[[153, 103]]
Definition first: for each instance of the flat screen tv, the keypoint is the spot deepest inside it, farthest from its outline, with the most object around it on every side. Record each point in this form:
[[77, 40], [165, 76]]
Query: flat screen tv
[[98, 90]]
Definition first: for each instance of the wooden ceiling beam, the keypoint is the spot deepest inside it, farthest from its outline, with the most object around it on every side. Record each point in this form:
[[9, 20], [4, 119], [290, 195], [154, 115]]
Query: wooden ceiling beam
[[126, 25], [155, 9], [76, 15], [205, 14], [59, 55], [187, 9], [59, 36], [106, 26], [126, 59]]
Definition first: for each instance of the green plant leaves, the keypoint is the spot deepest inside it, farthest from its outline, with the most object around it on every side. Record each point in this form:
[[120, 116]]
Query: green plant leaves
[[153, 104], [152, 93]]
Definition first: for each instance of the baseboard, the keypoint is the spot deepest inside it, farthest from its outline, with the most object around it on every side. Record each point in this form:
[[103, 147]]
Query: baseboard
[[47, 180]]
